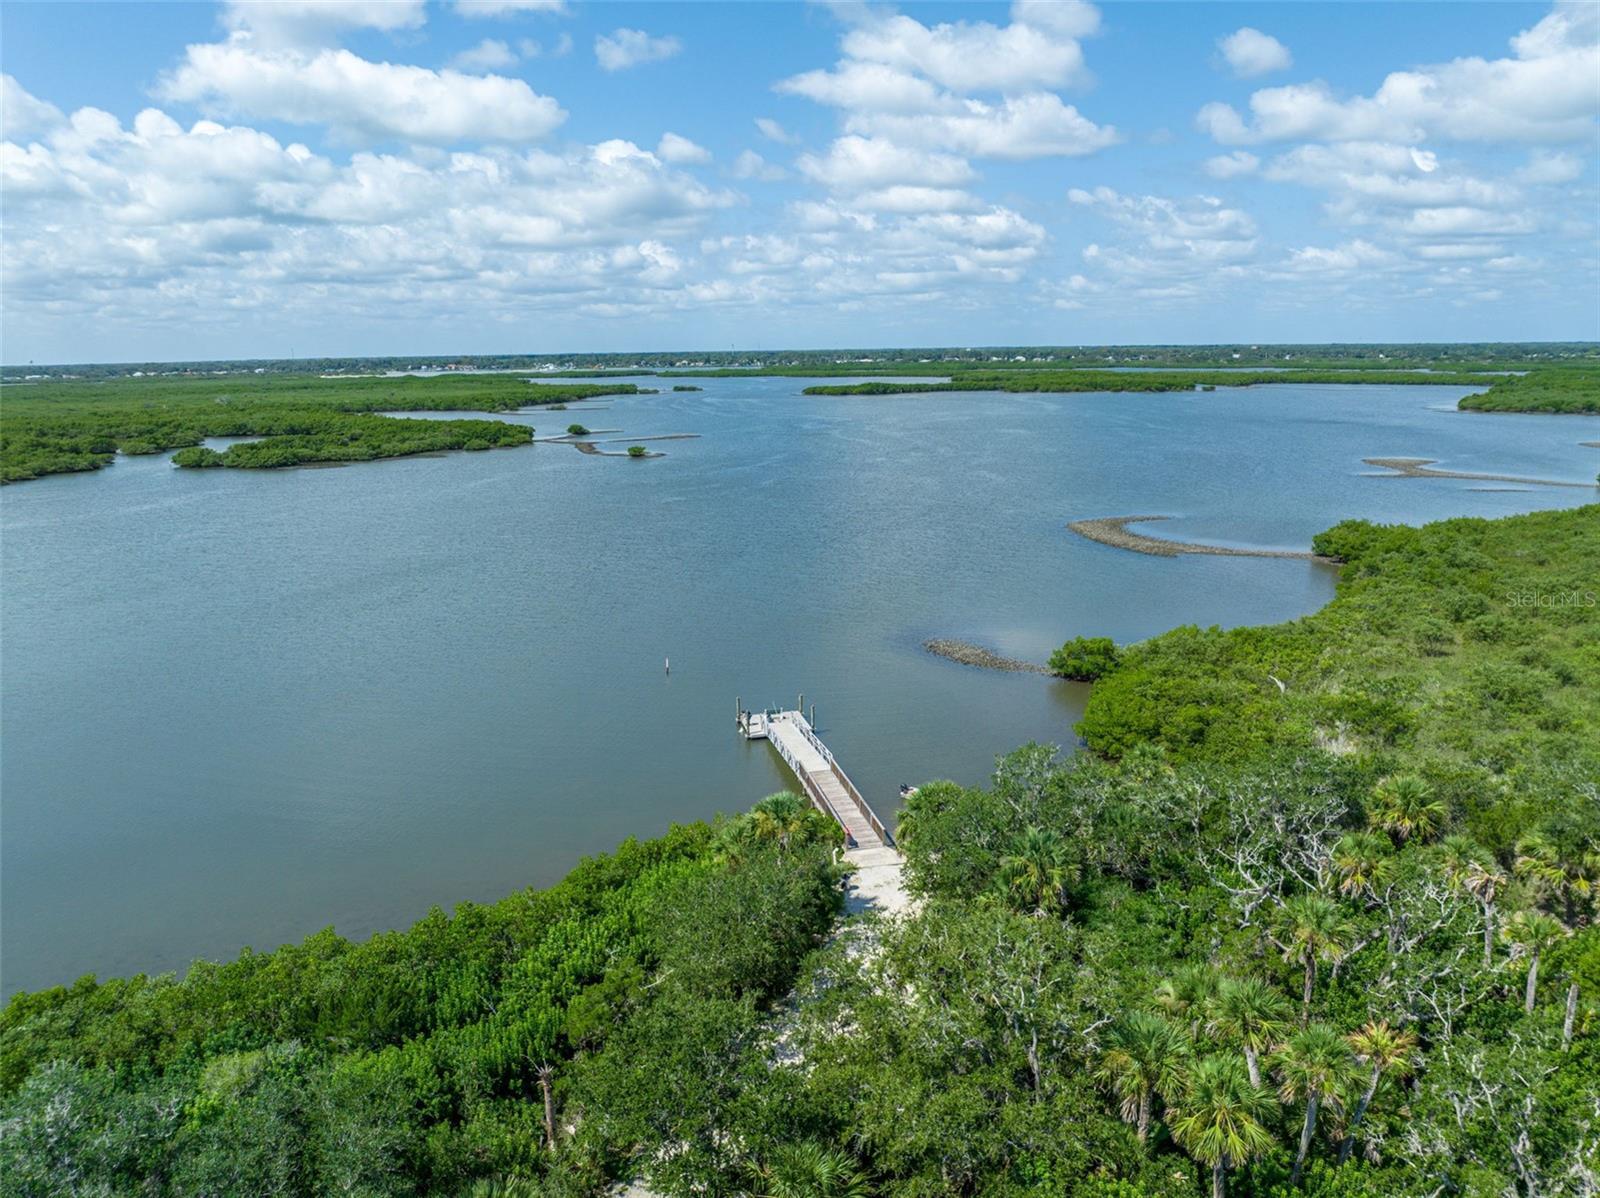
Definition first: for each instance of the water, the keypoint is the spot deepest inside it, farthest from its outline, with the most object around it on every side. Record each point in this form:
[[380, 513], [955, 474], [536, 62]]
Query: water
[[238, 707]]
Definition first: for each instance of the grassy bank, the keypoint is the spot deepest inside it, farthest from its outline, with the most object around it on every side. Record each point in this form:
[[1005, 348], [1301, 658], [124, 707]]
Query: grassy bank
[[59, 427]]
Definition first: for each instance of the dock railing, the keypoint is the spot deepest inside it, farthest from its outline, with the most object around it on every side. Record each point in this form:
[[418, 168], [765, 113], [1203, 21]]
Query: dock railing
[[856, 797], [758, 724], [818, 799]]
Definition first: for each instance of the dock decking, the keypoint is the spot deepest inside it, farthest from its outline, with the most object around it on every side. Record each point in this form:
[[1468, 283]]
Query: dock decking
[[825, 783]]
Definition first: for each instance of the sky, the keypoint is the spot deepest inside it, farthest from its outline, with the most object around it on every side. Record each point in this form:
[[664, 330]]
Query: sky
[[185, 181]]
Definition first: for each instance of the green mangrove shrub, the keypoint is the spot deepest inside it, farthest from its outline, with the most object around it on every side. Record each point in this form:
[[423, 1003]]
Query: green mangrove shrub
[[1085, 658]]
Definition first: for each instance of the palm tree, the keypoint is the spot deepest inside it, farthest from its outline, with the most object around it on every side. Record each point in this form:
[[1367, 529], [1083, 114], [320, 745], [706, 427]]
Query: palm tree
[[1313, 1068], [1315, 929], [781, 817], [1221, 1118], [1144, 1057], [503, 1187], [1533, 932], [1384, 1050], [1406, 806], [1253, 1014], [1564, 867], [1034, 874], [1363, 861], [1470, 867], [1188, 993], [810, 1170]]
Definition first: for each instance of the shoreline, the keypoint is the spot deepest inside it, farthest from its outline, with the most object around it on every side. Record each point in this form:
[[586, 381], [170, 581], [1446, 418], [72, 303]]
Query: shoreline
[[1420, 468], [1114, 531]]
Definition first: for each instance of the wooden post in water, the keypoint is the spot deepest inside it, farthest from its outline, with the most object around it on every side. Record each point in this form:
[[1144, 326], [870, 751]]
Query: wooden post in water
[[813, 720], [800, 704]]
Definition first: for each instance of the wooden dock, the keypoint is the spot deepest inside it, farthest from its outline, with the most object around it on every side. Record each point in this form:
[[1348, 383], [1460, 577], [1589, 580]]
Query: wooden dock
[[821, 776]]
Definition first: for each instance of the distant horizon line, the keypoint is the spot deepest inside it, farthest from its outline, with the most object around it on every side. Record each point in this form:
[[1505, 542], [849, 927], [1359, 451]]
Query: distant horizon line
[[547, 355]]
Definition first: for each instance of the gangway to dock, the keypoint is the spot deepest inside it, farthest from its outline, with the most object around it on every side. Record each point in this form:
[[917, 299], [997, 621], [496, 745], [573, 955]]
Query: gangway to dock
[[821, 776]]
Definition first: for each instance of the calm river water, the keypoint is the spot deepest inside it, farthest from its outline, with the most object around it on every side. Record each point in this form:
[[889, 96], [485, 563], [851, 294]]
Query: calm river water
[[238, 707]]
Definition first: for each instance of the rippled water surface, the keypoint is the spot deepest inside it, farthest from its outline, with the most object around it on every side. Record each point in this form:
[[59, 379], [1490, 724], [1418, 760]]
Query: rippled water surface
[[238, 707]]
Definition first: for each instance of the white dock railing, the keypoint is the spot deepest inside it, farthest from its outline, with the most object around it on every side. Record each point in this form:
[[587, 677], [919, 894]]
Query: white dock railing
[[756, 725]]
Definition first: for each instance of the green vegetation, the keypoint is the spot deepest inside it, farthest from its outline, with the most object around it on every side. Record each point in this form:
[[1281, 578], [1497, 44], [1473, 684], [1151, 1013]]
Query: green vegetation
[[51, 428], [1568, 390], [1142, 380], [637, 451], [421, 1060], [358, 439], [1470, 642], [1084, 658], [577, 430], [1317, 916], [685, 387]]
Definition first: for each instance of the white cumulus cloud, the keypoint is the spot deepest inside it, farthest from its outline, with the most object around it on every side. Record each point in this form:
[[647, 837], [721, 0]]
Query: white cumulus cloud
[[912, 83], [509, 8], [750, 165], [624, 48], [1249, 52], [358, 98], [1545, 93], [488, 55], [1036, 125], [860, 163], [1229, 166], [680, 150], [23, 115], [975, 56], [302, 22]]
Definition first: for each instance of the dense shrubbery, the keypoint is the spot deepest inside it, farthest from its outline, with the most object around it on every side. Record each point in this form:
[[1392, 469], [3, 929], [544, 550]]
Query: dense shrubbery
[[52, 428], [1568, 389], [1111, 951], [1471, 642], [360, 439], [418, 1060], [1085, 658]]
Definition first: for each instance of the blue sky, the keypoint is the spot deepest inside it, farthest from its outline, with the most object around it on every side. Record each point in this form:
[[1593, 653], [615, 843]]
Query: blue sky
[[369, 177]]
